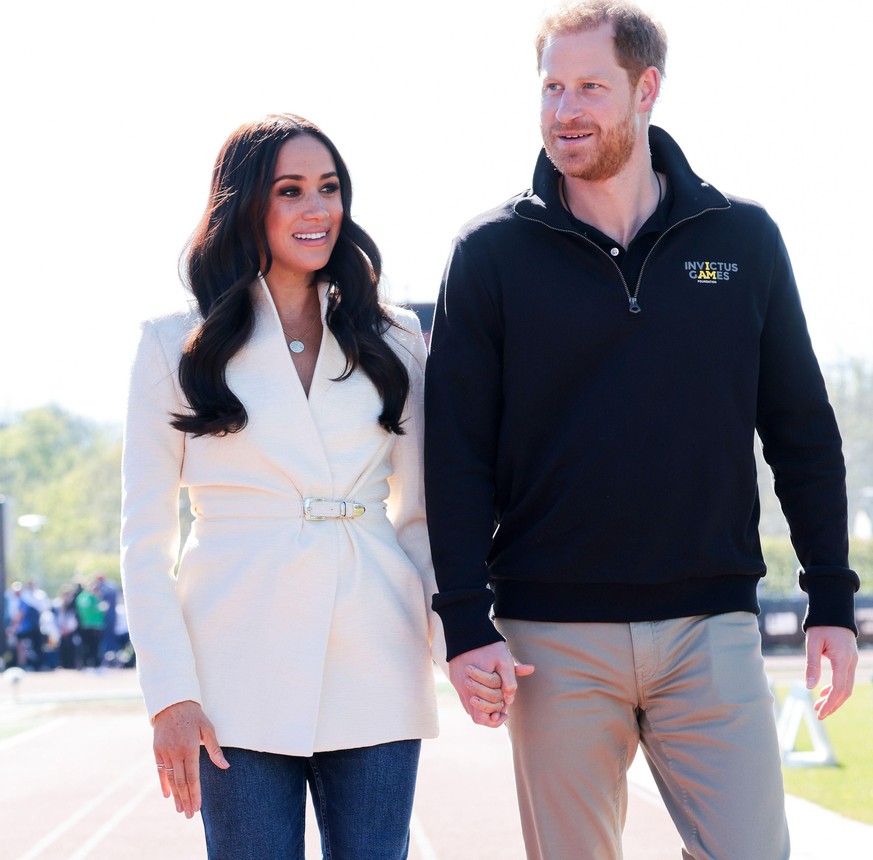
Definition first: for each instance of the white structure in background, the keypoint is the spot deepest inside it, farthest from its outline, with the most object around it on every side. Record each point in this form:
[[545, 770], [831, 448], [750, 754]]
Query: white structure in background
[[797, 710], [862, 527]]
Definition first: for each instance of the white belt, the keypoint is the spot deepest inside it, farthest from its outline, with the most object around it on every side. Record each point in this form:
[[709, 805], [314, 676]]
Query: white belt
[[324, 509]]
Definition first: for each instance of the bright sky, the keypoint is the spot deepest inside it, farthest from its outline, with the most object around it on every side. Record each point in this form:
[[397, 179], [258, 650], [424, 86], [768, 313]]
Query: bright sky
[[114, 113]]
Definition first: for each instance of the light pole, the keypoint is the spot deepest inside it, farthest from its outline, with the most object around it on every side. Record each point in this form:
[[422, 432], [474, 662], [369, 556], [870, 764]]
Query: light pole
[[3, 543], [3, 618], [33, 523], [863, 525]]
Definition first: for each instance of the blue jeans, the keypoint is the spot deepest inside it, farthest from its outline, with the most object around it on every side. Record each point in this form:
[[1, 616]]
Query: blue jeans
[[256, 809]]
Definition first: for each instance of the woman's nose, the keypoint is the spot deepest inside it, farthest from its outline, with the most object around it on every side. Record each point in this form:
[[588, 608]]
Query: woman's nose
[[315, 208]]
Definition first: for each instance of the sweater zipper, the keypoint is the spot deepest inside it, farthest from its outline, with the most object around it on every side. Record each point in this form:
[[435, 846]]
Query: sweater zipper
[[633, 304]]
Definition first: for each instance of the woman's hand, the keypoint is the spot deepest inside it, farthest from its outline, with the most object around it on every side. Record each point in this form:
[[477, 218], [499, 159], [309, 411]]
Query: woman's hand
[[485, 680], [179, 732], [486, 693]]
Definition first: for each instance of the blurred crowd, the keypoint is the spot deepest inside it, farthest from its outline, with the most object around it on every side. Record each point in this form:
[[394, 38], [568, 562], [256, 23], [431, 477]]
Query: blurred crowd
[[83, 627]]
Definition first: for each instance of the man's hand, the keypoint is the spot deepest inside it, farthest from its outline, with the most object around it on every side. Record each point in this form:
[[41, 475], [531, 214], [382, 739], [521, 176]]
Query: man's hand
[[839, 646], [485, 679]]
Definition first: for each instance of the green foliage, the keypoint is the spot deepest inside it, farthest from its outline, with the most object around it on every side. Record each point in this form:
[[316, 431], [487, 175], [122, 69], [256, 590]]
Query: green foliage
[[861, 559], [850, 388], [65, 469], [782, 564], [848, 787]]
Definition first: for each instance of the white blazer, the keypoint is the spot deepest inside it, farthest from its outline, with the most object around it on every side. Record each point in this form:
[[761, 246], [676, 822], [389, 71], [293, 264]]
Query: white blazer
[[294, 635]]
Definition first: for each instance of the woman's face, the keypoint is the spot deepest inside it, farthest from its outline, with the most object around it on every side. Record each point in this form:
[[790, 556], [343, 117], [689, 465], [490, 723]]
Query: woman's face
[[305, 211]]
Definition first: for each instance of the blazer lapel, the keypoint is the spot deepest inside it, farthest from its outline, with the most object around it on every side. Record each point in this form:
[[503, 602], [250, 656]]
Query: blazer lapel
[[280, 423]]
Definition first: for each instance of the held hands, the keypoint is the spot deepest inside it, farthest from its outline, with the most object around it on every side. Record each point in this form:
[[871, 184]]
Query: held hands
[[179, 731], [485, 680], [839, 646]]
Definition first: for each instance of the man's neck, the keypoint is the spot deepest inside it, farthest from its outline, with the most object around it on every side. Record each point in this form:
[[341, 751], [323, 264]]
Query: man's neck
[[617, 206]]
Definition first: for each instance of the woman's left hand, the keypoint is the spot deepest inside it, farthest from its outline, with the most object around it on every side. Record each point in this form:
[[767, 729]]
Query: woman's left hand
[[486, 694], [179, 731]]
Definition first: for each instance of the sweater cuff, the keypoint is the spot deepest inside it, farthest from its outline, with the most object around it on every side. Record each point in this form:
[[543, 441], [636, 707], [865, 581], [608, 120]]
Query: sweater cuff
[[466, 620], [831, 597]]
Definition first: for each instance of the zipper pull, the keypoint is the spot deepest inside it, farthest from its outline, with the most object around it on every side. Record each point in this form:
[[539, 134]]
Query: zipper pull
[[634, 307]]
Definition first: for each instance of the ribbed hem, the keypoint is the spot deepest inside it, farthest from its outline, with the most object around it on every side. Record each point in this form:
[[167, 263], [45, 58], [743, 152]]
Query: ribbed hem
[[561, 601], [466, 620], [831, 598]]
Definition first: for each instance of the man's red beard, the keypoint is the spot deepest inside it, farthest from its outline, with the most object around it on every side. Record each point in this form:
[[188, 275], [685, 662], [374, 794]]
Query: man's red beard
[[611, 154]]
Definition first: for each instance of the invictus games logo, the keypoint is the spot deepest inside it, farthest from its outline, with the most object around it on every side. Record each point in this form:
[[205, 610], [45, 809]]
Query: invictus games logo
[[711, 270]]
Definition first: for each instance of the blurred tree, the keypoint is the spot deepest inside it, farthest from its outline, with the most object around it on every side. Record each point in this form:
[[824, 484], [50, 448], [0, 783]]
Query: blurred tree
[[66, 469], [850, 387], [851, 390]]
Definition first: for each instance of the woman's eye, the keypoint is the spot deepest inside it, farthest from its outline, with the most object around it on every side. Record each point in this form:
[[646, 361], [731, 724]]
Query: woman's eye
[[289, 191], [330, 187]]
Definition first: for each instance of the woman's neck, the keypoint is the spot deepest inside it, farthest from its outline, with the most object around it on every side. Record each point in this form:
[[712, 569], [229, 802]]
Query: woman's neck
[[296, 299]]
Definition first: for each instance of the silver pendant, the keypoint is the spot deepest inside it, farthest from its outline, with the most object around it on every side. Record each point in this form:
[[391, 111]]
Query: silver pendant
[[296, 346]]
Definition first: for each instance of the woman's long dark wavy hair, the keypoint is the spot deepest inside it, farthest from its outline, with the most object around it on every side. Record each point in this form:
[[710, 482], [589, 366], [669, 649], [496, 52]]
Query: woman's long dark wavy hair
[[227, 252]]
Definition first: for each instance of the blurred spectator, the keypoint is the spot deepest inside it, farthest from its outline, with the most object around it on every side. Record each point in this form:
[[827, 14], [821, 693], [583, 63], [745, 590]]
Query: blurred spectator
[[25, 607], [123, 656], [51, 637], [82, 627], [90, 606], [108, 592], [70, 645]]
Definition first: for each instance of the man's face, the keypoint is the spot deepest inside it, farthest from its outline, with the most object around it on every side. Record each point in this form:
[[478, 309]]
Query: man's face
[[588, 115]]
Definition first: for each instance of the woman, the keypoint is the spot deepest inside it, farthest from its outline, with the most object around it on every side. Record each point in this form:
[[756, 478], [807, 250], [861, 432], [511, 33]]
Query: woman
[[294, 643], [69, 647]]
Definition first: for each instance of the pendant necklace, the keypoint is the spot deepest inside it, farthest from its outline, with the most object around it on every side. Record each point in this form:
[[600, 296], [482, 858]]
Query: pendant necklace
[[295, 344]]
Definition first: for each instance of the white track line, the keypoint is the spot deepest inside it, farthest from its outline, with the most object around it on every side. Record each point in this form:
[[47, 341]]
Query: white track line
[[114, 821], [90, 806], [25, 736]]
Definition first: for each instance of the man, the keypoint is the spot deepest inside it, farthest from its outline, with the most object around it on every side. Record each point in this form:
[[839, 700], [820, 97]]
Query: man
[[108, 593], [26, 605], [604, 348], [92, 620]]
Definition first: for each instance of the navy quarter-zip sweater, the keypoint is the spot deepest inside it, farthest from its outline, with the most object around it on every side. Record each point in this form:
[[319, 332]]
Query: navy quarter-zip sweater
[[589, 463]]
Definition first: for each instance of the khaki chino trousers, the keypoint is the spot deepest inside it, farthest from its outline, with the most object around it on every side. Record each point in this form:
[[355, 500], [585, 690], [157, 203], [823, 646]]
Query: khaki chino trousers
[[691, 691]]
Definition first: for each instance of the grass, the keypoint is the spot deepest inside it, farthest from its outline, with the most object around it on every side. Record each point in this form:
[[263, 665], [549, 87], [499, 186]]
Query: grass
[[848, 787], [10, 731], [11, 727]]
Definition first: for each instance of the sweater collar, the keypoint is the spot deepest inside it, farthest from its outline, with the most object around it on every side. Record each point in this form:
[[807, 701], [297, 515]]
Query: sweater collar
[[691, 194]]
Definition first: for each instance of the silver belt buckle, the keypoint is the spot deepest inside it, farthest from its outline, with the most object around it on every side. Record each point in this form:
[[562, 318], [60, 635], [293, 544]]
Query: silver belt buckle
[[345, 510], [307, 509]]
